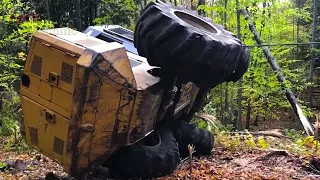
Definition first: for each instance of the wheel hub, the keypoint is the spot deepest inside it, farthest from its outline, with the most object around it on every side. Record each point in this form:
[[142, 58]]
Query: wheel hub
[[198, 23]]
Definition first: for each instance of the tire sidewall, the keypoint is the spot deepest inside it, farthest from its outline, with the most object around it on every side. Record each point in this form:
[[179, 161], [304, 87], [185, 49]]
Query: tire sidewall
[[200, 46], [201, 31], [170, 9], [147, 161], [160, 141]]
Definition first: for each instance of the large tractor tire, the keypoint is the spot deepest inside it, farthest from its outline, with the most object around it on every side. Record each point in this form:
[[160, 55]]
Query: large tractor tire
[[201, 139], [156, 155], [190, 46]]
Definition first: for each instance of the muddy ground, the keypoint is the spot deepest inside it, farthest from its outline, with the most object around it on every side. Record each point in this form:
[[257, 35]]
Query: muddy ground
[[221, 164]]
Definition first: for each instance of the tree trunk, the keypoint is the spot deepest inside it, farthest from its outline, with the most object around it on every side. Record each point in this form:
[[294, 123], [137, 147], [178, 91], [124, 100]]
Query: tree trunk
[[78, 18], [192, 6], [101, 5], [265, 103], [136, 17], [95, 9], [1, 100], [48, 9], [201, 2], [314, 29], [226, 100], [239, 122], [248, 115], [256, 121], [230, 110], [91, 14], [298, 34], [225, 13], [226, 106], [249, 101], [85, 14], [274, 65], [221, 102]]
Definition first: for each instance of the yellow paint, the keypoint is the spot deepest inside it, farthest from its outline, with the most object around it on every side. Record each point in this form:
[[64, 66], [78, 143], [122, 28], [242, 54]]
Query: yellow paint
[[100, 103], [35, 118]]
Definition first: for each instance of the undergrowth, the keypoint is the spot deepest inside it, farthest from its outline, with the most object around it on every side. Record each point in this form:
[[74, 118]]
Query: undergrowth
[[10, 118], [298, 142]]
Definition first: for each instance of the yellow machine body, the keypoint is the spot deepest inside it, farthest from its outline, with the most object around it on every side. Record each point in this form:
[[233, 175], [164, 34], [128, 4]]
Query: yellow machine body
[[83, 98]]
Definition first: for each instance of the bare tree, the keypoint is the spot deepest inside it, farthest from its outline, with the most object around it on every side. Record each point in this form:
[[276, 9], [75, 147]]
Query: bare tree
[[239, 124], [48, 8], [314, 29], [78, 18], [201, 2]]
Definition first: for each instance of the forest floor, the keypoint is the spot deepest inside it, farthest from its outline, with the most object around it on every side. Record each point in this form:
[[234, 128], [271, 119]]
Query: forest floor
[[224, 163]]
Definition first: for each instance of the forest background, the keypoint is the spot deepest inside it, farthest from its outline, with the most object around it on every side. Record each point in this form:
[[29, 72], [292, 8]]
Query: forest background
[[256, 102]]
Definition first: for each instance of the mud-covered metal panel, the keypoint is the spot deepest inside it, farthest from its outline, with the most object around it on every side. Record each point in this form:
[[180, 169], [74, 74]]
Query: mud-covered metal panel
[[188, 91], [112, 118], [143, 78], [144, 114], [58, 145], [102, 107], [34, 137], [116, 65], [60, 43], [105, 119], [36, 65], [78, 101], [67, 73], [86, 126], [121, 128], [82, 115]]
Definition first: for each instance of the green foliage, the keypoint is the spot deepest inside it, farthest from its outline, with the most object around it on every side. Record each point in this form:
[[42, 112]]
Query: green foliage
[[304, 145], [294, 135], [18, 144], [263, 143], [227, 141], [236, 141], [200, 123], [14, 38], [120, 12], [210, 108], [213, 126], [275, 22], [249, 141], [2, 165], [9, 123], [301, 143]]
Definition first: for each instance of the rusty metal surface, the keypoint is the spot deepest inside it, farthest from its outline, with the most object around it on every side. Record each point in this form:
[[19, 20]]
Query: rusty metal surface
[[106, 102], [143, 78], [58, 145], [33, 133], [59, 43], [144, 114], [112, 106], [189, 90]]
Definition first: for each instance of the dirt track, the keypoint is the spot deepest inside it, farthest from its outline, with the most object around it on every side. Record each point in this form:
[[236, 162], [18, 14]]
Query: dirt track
[[244, 165], [221, 164]]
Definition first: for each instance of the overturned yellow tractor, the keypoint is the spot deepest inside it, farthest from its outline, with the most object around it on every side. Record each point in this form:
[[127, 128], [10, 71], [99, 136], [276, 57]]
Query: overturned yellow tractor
[[87, 102]]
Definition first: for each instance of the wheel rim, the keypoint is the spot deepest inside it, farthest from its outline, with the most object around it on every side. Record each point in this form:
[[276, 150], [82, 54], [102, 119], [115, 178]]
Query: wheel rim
[[195, 22], [152, 140]]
